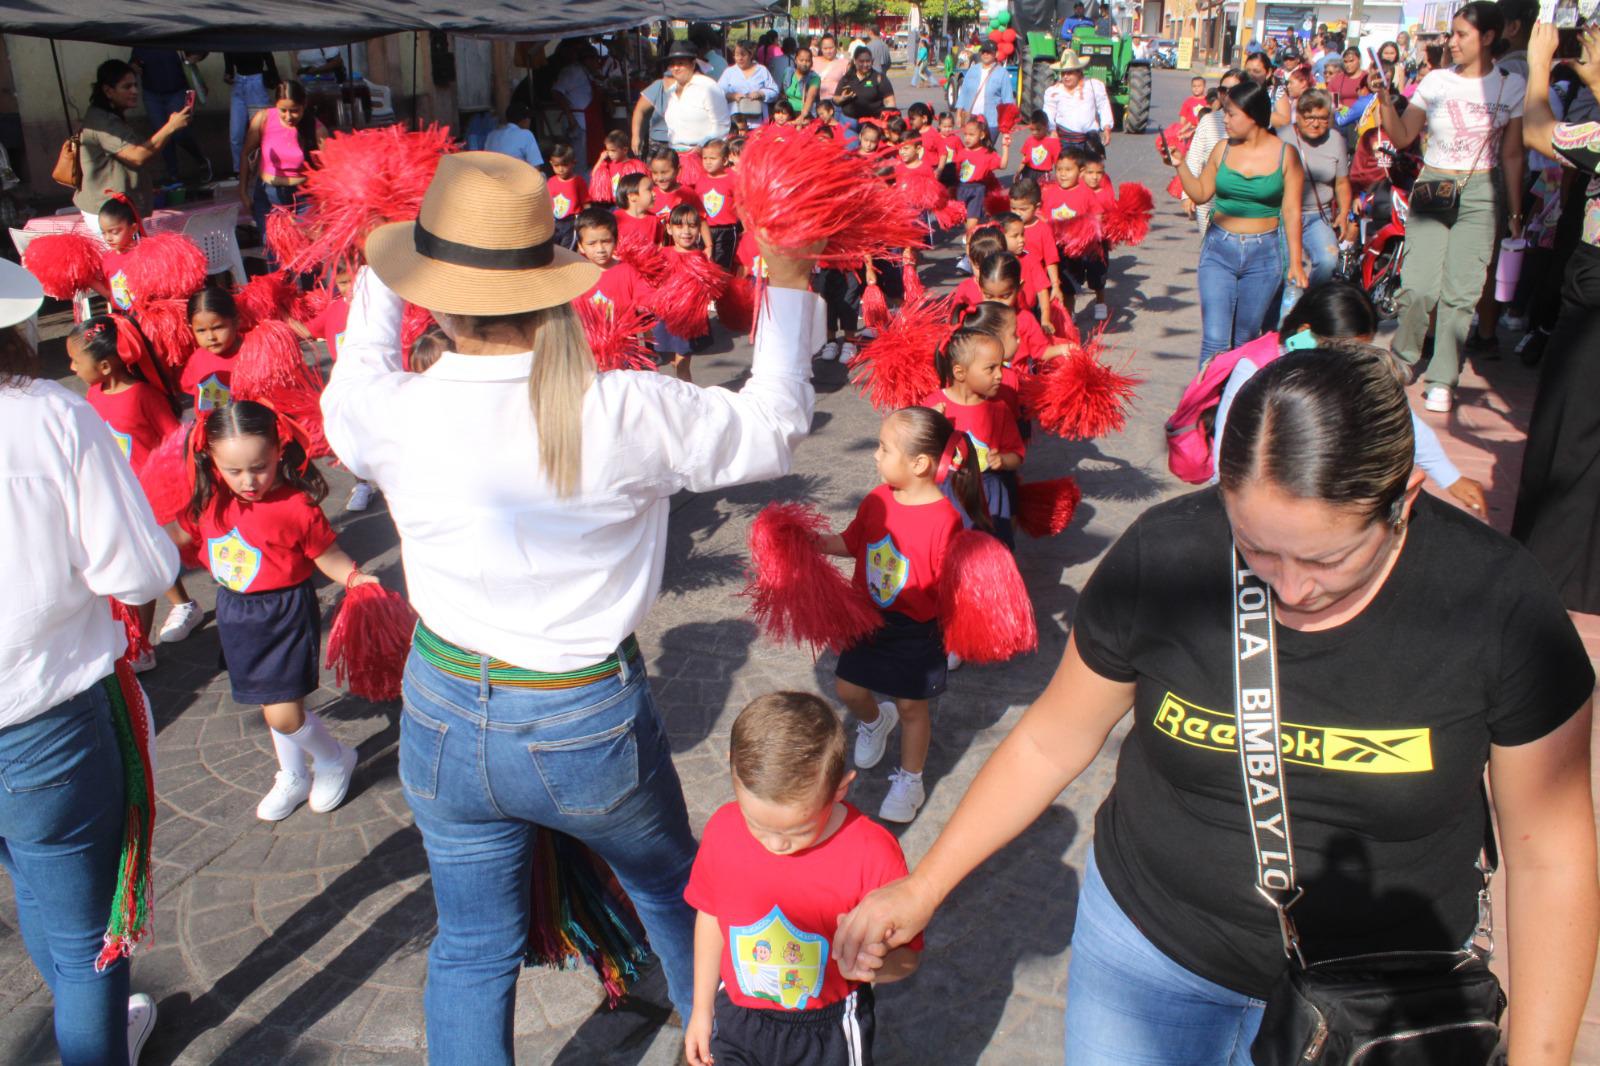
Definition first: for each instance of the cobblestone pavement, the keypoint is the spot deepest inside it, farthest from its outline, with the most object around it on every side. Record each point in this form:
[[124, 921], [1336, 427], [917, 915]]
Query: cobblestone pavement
[[305, 942]]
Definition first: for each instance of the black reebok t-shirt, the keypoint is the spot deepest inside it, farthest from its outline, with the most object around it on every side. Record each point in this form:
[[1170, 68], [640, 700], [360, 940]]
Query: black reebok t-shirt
[[1387, 722]]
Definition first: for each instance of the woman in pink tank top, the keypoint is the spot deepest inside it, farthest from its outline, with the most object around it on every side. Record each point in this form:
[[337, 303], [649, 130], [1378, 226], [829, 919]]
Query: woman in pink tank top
[[278, 154]]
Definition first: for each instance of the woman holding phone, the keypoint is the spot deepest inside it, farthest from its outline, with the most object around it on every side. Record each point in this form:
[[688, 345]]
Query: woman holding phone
[[113, 156]]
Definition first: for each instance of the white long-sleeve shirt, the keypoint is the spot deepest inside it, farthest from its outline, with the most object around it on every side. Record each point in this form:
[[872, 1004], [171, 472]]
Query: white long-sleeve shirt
[[74, 528], [495, 561], [756, 80], [696, 112], [1086, 109]]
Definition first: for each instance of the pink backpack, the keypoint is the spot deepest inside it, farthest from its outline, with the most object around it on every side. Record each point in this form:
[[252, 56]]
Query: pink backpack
[[1189, 443]]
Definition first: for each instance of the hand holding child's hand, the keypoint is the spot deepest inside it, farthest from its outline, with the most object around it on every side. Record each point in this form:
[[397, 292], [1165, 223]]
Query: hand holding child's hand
[[358, 577], [697, 1039]]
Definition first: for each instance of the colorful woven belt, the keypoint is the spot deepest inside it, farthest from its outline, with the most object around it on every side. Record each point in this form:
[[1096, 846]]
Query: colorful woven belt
[[467, 665]]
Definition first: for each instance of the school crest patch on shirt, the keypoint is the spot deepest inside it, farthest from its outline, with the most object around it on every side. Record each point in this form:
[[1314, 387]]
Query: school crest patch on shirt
[[887, 571], [211, 394], [561, 205], [124, 444], [235, 562], [603, 302], [1061, 212], [967, 170], [983, 452], [713, 203], [121, 295], [775, 961], [1039, 155]]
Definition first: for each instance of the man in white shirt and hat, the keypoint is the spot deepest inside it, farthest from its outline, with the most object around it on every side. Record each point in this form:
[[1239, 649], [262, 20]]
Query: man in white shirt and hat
[[1078, 107]]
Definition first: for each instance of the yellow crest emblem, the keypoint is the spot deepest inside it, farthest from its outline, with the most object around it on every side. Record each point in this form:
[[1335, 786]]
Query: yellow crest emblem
[[561, 205], [121, 295], [775, 961], [967, 170], [234, 561], [887, 571], [211, 394], [713, 201], [1039, 155], [1061, 212], [124, 444]]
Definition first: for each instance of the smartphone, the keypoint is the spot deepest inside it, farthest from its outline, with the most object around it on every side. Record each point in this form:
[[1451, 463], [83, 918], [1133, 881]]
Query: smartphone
[[188, 99], [1161, 139], [1372, 57]]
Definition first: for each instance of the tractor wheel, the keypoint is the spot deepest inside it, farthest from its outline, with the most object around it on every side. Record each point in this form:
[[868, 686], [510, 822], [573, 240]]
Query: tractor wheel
[[1136, 116], [1037, 76]]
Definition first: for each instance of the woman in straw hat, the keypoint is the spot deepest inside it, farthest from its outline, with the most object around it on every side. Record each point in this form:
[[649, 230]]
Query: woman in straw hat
[[76, 530], [531, 496]]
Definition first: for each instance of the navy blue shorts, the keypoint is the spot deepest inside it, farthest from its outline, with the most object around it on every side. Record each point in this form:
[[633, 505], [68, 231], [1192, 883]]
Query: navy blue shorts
[[669, 345], [566, 235], [270, 642], [972, 193], [904, 660], [839, 1034]]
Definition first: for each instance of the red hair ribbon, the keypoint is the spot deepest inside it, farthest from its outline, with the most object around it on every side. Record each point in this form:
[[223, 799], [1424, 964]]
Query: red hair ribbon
[[138, 223], [955, 453], [289, 429]]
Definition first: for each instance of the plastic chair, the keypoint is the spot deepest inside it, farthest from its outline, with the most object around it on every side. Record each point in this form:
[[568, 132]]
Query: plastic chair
[[212, 230], [382, 103], [20, 239]]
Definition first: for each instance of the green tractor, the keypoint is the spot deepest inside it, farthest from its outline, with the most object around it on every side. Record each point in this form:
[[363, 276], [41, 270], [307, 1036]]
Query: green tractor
[[1110, 60]]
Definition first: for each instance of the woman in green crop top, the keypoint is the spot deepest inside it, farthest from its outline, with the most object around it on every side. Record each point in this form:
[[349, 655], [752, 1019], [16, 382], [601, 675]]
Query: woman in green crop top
[[1243, 258]]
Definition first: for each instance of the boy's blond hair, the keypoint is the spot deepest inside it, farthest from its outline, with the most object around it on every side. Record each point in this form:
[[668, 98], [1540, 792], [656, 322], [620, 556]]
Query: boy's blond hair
[[788, 747]]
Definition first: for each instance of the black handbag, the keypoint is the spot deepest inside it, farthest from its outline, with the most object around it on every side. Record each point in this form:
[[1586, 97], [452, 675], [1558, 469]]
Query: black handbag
[[1440, 198], [1399, 1008]]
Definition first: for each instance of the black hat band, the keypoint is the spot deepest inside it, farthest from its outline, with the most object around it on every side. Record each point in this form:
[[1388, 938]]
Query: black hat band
[[433, 246]]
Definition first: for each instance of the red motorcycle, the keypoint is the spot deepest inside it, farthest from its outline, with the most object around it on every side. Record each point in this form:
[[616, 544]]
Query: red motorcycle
[[1383, 252]]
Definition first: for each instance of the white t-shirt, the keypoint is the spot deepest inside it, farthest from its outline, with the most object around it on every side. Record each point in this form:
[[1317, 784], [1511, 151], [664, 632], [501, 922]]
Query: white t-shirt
[[1467, 115]]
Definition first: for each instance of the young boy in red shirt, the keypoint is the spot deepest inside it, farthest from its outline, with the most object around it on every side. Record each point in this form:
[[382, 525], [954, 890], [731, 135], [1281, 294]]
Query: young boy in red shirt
[[620, 285], [569, 193], [615, 163], [633, 214], [715, 189], [775, 870], [1038, 240], [1041, 149], [1094, 195]]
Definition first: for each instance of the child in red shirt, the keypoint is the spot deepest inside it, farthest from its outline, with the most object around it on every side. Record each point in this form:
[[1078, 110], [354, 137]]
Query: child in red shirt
[[141, 416], [1038, 240], [1040, 150], [899, 539], [1033, 286], [977, 163], [620, 285], [257, 523], [120, 229], [1094, 195], [971, 370], [615, 163], [569, 193], [715, 189], [950, 138], [984, 242], [669, 193], [684, 226], [633, 214], [775, 870], [214, 319]]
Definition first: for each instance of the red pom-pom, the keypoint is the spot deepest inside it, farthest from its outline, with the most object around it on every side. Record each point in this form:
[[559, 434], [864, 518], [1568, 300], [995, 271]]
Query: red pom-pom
[[1006, 115], [270, 360], [952, 214], [1175, 189], [266, 297], [1079, 397], [690, 169], [1045, 508], [166, 478], [796, 593], [798, 189], [369, 641], [168, 266], [736, 308], [286, 235], [165, 324], [1063, 329], [645, 256], [895, 368], [1129, 221], [681, 300], [1077, 236], [362, 180], [912, 282], [615, 335], [984, 608], [65, 264], [414, 322], [874, 307], [996, 201], [308, 305], [921, 189]]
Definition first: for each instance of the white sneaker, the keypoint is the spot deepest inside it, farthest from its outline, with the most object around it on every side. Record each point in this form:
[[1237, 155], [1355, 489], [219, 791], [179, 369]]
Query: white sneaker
[[360, 497], [905, 797], [1437, 398], [867, 334], [144, 663], [141, 1023], [181, 621], [952, 661], [847, 353], [830, 352], [330, 785], [289, 790], [1101, 312], [873, 737]]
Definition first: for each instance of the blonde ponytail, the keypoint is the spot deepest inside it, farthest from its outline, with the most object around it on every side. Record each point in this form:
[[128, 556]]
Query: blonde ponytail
[[562, 369]]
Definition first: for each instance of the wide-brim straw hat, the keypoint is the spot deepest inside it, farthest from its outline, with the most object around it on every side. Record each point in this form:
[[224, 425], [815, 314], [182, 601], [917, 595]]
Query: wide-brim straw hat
[[483, 243], [1070, 60], [21, 295]]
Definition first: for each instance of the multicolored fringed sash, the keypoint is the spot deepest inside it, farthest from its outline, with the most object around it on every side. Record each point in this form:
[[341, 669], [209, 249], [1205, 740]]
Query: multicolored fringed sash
[[578, 913], [131, 905]]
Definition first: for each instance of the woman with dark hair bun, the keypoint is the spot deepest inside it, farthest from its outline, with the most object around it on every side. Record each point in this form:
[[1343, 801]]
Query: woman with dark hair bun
[[1252, 176], [112, 154], [1412, 647]]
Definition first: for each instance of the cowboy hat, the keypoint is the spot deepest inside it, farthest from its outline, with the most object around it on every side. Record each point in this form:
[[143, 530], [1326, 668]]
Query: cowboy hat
[[20, 294], [681, 49], [483, 243], [1069, 61]]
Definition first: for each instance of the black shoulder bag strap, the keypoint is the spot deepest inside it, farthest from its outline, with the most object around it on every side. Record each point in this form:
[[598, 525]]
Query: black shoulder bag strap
[[1258, 737]]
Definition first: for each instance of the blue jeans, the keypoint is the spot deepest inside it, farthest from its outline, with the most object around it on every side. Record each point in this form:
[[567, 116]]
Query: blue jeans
[[160, 107], [1319, 248], [1241, 278], [61, 821], [264, 199], [250, 95], [1128, 1004], [481, 766]]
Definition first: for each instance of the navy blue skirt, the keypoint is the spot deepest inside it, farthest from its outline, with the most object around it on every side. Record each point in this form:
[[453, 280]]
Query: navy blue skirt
[[972, 193], [904, 660], [270, 642]]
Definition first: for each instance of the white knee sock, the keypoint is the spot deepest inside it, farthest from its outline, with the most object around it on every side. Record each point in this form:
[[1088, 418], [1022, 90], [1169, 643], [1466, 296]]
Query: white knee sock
[[290, 755], [314, 740]]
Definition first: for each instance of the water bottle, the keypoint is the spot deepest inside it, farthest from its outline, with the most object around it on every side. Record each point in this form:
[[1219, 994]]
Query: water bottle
[[1291, 296]]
